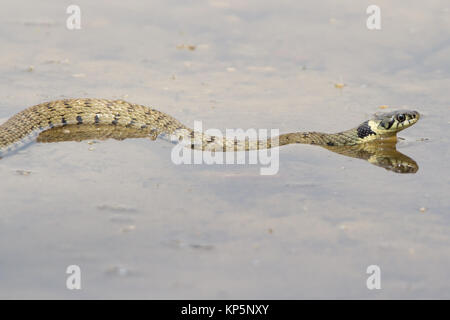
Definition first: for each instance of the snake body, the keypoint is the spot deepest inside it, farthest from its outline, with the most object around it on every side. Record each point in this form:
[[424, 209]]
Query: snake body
[[145, 121]]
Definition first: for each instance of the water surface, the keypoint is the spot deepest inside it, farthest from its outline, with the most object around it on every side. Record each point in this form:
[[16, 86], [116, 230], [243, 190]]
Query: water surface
[[141, 227]]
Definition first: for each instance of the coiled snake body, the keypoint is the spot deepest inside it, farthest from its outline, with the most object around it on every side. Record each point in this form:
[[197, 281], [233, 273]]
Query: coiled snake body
[[95, 115]]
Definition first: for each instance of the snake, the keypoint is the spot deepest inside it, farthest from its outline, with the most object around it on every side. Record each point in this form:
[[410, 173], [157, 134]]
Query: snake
[[142, 121]]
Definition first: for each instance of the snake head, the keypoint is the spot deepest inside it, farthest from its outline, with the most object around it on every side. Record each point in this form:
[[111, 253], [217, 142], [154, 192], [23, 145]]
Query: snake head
[[392, 122]]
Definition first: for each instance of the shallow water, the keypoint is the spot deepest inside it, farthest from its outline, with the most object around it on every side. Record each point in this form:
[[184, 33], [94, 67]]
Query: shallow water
[[140, 226]]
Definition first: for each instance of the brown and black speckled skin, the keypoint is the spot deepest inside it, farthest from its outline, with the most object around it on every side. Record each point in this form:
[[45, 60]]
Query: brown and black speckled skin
[[83, 119], [146, 121], [84, 112]]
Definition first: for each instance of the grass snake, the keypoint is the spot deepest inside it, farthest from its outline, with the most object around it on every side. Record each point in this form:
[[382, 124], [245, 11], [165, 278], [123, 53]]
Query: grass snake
[[89, 118]]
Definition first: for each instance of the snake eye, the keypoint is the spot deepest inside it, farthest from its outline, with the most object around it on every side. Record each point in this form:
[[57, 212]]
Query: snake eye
[[401, 117]]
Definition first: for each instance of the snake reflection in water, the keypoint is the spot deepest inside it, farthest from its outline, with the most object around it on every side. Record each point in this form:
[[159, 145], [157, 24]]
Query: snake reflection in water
[[81, 119]]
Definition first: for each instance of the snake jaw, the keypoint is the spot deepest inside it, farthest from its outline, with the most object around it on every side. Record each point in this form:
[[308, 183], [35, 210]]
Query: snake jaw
[[388, 124]]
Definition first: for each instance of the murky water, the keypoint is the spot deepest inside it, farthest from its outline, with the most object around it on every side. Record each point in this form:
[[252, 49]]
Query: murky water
[[140, 226]]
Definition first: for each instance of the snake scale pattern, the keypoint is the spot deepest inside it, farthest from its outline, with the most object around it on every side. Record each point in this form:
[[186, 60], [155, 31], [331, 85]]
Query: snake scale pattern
[[145, 121]]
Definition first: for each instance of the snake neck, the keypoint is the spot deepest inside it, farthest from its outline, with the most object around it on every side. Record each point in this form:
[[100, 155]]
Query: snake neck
[[344, 138], [205, 142], [365, 132]]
